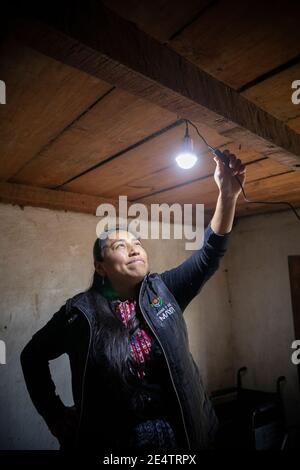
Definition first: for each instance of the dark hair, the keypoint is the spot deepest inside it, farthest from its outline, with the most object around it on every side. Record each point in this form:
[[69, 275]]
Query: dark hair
[[110, 342]]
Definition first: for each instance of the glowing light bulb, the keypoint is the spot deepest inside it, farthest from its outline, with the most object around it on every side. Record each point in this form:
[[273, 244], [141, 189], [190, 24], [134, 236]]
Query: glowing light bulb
[[186, 160]]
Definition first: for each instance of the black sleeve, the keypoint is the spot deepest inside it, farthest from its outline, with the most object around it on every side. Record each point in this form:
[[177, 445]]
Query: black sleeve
[[186, 280], [46, 344]]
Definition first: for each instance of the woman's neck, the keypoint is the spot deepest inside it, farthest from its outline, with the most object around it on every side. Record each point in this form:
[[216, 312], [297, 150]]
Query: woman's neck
[[127, 292]]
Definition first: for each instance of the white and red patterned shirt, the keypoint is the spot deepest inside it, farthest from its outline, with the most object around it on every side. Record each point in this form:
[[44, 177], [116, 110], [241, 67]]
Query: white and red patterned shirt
[[140, 341]]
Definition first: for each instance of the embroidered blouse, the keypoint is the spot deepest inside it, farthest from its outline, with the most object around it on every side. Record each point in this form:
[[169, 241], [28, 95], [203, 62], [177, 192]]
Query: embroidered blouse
[[141, 339]]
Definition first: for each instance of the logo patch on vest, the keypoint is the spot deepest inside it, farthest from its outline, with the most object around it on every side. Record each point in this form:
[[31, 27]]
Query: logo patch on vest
[[157, 302], [163, 311]]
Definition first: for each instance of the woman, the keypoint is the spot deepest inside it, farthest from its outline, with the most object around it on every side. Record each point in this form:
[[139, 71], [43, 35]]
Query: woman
[[135, 383]]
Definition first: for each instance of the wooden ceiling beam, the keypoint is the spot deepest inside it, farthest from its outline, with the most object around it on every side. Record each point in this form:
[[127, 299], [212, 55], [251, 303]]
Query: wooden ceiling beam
[[23, 195], [56, 199], [94, 39]]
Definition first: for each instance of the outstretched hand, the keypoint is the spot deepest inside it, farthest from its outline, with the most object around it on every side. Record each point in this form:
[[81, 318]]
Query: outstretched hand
[[225, 177]]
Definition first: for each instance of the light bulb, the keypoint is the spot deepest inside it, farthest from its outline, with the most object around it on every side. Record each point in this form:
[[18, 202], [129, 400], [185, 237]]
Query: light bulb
[[186, 160]]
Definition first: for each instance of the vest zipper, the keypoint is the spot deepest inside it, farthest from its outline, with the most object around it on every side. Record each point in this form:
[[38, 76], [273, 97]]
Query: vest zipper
[[83, 379], [182, 416]]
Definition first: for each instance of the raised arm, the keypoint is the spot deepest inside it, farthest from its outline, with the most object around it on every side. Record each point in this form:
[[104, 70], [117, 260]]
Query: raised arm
[[186, 280], [229, 191]]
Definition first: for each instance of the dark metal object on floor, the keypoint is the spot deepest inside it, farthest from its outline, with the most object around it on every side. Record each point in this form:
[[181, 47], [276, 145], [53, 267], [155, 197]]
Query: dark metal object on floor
[[249, 419]]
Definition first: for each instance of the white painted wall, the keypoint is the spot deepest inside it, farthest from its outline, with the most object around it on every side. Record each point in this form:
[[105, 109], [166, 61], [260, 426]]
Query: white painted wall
[[45, 258], [259, 291]]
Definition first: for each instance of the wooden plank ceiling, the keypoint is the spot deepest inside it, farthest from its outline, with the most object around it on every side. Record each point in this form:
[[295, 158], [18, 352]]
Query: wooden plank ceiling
[[75, 133]]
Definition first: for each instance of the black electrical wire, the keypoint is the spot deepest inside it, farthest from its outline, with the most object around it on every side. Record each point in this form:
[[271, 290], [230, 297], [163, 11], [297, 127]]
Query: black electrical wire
[[225, 160]]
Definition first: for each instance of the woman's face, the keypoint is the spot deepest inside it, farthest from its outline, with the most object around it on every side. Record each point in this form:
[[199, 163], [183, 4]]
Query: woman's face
[[124, 258]]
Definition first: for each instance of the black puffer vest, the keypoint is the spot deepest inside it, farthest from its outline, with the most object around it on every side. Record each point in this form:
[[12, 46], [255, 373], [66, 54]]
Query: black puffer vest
[[165, 318]]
